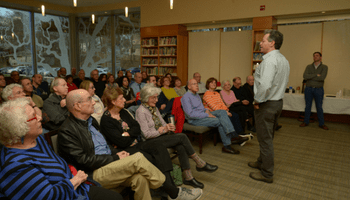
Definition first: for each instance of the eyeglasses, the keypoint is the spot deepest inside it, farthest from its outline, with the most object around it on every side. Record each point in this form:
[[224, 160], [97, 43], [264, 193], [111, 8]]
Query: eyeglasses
[[34, 118]]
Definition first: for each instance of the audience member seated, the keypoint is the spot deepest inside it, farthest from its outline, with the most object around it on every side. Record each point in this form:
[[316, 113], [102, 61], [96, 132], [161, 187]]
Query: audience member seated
[[111, 82], [201, 85], [152, 79], [63, 73], [103, 78], [55, 106], [14, 78], [70, 84], [99, 85], [122, 130], [128, 93], [99, 108], [81, 78], [241, 95], [81, 144], [155, 129], [73, 72], [212, 101], [171, 79], [28, 90], [158, 82], [120, 75], [234, 105], [144, 76], [180, 91], [37, 80], [249, 89], [2, 85], [15, 91], [167, 90], [137, 85], [129, 75], [197, 115], [31, 167]]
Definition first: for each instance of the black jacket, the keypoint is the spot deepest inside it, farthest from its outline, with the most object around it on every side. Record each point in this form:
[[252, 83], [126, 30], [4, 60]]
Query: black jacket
[[75, 145], [249, 92]]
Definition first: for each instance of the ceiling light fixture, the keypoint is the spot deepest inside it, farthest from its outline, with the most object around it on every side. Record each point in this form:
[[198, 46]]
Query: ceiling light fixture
[[43, 10], [93, 18], [323, 12], [239, 29], [2, 37], [126, 11], [75, 3], [171, 4], [13, 35]]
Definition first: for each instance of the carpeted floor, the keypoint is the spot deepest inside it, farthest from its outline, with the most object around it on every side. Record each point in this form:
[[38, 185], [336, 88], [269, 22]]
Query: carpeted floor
[[310, 163]]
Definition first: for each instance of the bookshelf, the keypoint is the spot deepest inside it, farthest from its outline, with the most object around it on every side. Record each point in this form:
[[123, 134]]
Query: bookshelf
[[164, 50], [259, 26]]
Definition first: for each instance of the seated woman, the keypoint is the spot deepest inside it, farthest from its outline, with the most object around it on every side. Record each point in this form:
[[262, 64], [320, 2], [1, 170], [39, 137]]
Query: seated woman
[[232, 103], [167, 90], [155, 129], [180, 91], [55, 106], [111, 81], [30, 169], [99, 108], [128, 92], [122, 130], [212, 101]]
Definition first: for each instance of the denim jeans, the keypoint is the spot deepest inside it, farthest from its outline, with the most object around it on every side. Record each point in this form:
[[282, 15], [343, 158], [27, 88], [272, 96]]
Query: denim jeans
[[316, 93], [222, 121]]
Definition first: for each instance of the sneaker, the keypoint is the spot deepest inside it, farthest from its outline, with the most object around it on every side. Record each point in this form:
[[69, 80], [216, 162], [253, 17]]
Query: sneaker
[[189, 194], [248, 136]]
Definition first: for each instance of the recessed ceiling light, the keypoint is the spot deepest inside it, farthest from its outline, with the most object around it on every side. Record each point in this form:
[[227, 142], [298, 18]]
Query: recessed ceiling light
[[323, 12]]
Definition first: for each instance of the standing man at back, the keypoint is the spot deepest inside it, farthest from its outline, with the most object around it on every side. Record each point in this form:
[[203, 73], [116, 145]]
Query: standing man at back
[[271, 78], [314, 75]]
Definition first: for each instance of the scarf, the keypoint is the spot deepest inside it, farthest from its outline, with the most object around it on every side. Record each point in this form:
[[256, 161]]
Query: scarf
[[153, 110]]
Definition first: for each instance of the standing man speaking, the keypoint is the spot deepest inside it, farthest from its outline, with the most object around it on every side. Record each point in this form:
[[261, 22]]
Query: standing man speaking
[[271, 78], [314, 75]]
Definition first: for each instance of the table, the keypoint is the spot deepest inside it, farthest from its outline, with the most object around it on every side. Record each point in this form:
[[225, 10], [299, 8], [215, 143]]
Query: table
[[331, 105]]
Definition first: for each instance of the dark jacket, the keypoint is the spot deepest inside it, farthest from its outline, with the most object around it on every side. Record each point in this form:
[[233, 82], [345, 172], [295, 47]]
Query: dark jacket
[[55, 113], [75, 145], [112, 129], [249, 90]]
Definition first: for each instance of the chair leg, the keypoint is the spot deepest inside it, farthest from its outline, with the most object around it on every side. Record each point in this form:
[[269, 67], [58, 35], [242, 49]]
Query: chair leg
[[200, 143], [215, 138]]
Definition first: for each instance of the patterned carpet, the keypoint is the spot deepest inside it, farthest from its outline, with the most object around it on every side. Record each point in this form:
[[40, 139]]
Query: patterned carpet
[[310, 163]]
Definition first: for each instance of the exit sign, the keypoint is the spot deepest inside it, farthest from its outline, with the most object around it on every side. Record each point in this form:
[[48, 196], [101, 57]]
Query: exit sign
[[262, 7]]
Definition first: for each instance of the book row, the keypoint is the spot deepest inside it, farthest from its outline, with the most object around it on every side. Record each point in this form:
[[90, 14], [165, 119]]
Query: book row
[[149, 42], [149, 61], [167, 41], [167, 51], [150, 52], [168, 61], [154, 70], [257, 56]]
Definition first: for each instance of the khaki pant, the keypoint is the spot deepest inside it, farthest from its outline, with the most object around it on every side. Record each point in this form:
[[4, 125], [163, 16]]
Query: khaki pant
[[134, 171]]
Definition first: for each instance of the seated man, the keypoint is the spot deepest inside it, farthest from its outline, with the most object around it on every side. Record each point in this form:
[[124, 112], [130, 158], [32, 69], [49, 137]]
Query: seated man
[[14, 78], [81, 144], [197, 115], [242, 96], [138, 84], [28, 90], [37, 89], [55, 106]]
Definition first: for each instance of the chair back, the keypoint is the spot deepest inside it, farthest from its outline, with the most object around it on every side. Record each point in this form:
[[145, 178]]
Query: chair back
[[51, 138]]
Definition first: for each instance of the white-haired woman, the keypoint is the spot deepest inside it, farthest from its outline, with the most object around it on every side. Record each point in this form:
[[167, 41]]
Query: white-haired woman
[[30, 169], [55, 106], [154, 127], [232, 103]]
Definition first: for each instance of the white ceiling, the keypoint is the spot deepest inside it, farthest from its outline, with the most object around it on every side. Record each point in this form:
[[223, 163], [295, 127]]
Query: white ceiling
[[83, 3]]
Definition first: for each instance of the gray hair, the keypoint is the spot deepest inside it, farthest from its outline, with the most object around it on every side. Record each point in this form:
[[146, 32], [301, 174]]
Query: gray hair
[[54, 83], [7, 91], [224, 81], [147, 91], [13, 121], [276, 36]]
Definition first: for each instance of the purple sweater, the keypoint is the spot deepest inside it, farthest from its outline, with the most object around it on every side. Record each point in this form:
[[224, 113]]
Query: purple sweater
[[193, 106]]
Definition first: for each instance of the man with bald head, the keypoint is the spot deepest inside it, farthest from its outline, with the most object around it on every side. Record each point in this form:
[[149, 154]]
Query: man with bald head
[[201, 85], [80, 143], [197, 115], [99, 85], [137, 85]]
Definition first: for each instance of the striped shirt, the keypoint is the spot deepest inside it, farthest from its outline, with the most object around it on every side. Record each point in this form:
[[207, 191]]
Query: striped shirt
[[37, 173], [213, 101]]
